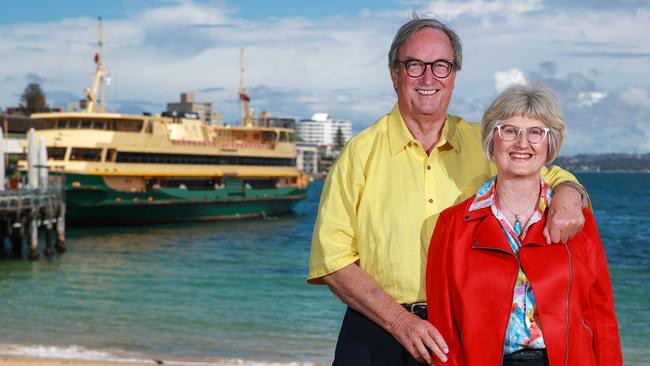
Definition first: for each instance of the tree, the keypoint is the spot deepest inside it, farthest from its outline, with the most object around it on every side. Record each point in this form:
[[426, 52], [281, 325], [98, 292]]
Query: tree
[[33, 99], [339, 139]]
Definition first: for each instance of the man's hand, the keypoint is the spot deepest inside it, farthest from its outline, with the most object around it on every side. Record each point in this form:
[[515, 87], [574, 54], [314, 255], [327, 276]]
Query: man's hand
[[355, 287], [565, 218], [419, 337]]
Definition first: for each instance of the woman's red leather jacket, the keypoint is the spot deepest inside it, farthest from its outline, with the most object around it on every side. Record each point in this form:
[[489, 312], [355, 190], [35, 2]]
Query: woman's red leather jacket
[[471, 273]]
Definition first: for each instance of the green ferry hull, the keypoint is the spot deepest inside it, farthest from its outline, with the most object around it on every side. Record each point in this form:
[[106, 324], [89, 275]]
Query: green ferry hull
[[90, 202]]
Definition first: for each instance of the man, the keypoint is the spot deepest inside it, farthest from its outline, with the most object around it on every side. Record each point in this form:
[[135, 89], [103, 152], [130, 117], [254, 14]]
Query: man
[[382, 197]]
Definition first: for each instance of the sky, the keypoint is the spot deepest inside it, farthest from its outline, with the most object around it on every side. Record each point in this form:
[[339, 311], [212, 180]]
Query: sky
[[305, 57]]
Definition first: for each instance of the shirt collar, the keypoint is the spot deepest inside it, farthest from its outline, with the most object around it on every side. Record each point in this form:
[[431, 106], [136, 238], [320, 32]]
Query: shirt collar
[[486, 196], [399, 136]]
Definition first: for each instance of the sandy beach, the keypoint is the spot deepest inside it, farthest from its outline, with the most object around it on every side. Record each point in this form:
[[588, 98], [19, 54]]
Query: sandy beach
[[41, 361], [38, 361]]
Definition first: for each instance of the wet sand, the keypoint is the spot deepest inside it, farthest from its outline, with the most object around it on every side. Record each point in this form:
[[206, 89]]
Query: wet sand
[[38, 361], [42, 361]]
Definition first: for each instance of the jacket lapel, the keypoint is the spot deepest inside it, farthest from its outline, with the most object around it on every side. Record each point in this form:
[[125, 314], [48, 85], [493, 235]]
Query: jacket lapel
[[489, 234], [535, 234]]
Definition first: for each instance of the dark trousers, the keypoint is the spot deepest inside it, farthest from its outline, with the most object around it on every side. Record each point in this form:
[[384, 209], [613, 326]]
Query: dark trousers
[[364, 343], [540, 362], [543, 362]]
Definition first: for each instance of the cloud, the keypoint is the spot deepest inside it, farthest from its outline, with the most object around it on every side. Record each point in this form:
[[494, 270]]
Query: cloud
[[359, 106], [296, 66], [211, 89], [135, 106], [548, 67], [505, 79], [451, 10], [636, 97], [590, 98], [601, 121], [34, 78], [612, 55], [61, 98]]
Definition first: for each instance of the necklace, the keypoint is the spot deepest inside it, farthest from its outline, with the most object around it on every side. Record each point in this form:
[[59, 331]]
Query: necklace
[[517, 226], [525, 214]]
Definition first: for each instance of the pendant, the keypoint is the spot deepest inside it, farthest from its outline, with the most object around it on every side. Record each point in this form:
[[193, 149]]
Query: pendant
[[517, 226]]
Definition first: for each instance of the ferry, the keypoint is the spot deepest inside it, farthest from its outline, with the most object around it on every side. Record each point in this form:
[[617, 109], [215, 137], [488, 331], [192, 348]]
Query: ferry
[[136, 169]]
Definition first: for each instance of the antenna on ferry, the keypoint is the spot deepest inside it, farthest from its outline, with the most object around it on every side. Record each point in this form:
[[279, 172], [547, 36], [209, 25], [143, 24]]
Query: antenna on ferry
[[246, 115], [96, 94]]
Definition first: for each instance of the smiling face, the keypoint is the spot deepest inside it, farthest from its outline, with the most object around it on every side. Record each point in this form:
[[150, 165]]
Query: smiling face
[[519, 158], [426, 97]]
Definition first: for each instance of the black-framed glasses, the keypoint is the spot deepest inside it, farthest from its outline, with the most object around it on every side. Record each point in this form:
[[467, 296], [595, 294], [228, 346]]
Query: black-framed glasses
[[534, 135], [416, 68]]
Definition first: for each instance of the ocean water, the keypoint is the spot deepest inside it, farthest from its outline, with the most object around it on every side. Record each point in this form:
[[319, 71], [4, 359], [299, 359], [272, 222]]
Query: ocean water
[[227, 293]]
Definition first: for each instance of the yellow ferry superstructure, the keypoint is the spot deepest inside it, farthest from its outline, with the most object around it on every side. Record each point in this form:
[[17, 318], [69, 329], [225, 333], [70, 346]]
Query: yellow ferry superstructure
[[123, 168]]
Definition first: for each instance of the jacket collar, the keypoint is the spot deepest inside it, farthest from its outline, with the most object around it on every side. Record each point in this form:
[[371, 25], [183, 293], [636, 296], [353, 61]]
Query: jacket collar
[[490, 235]]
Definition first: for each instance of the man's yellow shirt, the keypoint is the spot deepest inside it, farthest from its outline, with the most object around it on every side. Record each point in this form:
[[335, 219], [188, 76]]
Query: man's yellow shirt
[[382, 197]]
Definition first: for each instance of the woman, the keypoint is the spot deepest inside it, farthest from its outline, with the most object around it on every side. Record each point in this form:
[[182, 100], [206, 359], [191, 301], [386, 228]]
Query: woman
[[497, 293]]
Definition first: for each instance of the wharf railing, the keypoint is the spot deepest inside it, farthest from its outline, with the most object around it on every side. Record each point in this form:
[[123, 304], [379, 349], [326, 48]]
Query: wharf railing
[[24, 211]]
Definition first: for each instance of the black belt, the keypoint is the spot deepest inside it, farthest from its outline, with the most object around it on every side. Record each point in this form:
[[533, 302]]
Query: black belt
[[527, 354], [418, 308]]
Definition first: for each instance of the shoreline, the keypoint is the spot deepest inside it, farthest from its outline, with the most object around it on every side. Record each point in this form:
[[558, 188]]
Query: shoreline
[[13, 360], [50, 361]]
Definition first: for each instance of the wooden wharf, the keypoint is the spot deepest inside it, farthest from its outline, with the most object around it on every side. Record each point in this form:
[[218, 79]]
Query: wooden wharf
[[24, 211], [37, 203]]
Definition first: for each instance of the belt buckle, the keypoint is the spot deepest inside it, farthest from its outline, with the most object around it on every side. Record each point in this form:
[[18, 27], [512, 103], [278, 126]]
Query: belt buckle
[[417, 308]]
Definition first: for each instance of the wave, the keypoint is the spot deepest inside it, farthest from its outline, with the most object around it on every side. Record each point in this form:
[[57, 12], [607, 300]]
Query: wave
[[76, 352]]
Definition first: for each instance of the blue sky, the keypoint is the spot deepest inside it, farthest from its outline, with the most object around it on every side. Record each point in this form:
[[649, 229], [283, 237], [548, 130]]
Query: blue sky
[[304, 57]]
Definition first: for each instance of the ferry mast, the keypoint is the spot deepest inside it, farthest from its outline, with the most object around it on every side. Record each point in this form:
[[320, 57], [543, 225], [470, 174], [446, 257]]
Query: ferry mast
[[246, 115], [95, 96]]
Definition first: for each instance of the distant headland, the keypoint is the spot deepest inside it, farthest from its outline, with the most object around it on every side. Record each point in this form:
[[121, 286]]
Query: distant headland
[[612, 162]]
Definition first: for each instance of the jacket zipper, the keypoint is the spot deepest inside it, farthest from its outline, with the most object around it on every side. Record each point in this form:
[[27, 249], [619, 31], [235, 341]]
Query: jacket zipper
[[503, 345], [588, 328], [568, 325]]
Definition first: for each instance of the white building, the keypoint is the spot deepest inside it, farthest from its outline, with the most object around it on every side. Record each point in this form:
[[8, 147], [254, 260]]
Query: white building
[[307, 159], [321, 130]]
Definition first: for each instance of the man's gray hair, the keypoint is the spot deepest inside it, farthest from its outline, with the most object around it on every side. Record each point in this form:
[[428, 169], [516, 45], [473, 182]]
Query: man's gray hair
[[414, 25], [533, 101]]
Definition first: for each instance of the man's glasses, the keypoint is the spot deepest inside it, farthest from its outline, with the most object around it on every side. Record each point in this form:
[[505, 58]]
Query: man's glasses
[[534, 135], [416, 68]]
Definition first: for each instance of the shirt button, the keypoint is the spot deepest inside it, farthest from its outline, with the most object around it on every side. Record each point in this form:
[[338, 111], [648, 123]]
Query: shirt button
[[428, 167], [430, 200]]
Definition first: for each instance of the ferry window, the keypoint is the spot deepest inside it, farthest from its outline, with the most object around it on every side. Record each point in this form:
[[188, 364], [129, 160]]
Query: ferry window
[[85, 124], [149, 128], [110, 155], [129, 126], [56, 153], [73, 123], [268, 136], [117, 125], [292, 137], [60, 124], [283, 136], [99, 125], [86, 154]]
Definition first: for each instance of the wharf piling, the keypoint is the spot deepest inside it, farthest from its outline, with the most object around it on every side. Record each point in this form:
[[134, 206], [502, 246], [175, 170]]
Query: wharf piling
[[40, 204], [24, 211]]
